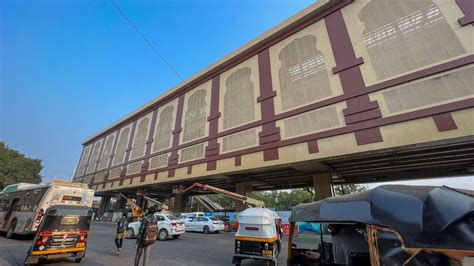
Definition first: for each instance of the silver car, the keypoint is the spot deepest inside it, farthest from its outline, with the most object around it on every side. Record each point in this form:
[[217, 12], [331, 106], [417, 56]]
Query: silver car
[[205, 225]]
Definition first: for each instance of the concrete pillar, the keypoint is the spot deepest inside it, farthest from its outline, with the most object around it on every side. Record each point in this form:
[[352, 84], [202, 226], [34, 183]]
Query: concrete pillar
[[104, 204], [180, 201], [322, 183], [244, 188], [120, 204]]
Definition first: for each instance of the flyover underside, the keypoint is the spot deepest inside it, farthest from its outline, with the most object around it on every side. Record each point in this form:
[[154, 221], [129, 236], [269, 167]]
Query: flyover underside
[[454, 157]]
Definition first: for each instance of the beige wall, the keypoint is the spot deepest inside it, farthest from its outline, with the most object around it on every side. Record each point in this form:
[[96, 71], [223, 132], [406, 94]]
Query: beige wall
[[322, 45], [375, 34]]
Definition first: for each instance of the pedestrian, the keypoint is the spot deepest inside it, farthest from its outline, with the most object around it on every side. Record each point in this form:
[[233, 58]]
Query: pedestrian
[[122, 226], [146, 236]]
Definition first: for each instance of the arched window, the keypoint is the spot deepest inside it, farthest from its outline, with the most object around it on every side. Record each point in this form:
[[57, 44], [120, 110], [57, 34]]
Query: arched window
[[405, 35], [303, 74], [195, 119], [164, 129], [121, 146], [104, 160], [83, 162], [239, 99], [140, 139], [95, 156]]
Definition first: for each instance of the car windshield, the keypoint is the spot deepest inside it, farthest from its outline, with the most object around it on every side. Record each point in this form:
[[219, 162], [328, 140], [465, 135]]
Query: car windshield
[[214, 218], [172, 217]]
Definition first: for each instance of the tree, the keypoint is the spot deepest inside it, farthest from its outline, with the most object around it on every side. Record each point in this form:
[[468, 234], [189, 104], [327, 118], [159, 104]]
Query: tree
[[279, 200], [16, 168], [349, 189]]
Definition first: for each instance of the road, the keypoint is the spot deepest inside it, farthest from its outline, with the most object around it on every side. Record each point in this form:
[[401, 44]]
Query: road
[[191, 249]]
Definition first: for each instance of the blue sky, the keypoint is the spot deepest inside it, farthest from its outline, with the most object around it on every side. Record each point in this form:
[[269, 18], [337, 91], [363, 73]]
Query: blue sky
[[68, 69], [71, 68]]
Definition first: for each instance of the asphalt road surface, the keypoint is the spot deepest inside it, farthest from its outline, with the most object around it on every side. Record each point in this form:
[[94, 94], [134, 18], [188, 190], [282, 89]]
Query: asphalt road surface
[[189, 249]]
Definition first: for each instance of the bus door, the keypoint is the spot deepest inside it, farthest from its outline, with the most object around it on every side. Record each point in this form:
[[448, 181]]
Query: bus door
[[10, 211]]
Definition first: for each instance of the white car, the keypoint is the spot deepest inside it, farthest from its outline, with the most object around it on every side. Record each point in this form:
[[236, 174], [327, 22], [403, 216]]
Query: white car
[[168, 226], [205, 225], [189, 216]]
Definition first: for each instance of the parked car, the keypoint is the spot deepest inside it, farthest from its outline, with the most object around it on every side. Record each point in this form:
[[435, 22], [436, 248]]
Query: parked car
[[205, 225], [168, 226], [189, 216]]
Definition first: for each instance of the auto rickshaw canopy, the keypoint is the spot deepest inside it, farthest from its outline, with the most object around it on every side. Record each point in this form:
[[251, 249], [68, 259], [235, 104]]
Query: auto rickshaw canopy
[[257, 222], [424, 216]]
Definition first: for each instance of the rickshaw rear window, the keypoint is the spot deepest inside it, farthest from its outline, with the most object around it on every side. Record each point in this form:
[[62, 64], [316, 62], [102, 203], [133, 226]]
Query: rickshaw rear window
[[70, 220], [71, 198], [307, 236]]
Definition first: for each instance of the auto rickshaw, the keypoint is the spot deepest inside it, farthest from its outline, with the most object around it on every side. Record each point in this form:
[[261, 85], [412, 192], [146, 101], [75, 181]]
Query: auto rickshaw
[[258, 236], [62, 233], [403, 225]]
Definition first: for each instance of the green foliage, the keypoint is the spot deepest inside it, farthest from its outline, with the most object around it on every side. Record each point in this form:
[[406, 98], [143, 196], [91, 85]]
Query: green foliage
[[283, 200], [349, 189], [16, 168], [226, 202], [280, 200]]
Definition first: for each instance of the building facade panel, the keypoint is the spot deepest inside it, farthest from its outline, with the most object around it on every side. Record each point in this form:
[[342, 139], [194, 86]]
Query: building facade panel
[[140, 137], [107, 151], [302, 69], [164, 127], [396, 38], [333, 92], [122, 145], [239, 90], [196, 110]]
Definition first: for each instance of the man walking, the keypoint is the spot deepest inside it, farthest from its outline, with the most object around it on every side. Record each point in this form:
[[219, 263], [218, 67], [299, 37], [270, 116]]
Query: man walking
[[146, 236], [122, 226]]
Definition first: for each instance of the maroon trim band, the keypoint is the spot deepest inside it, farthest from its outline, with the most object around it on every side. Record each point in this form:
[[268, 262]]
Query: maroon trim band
[[444, 122], [313, 146], [190, 169], [270, 132], [149, 143], [457, 63], [375, 123], [212, 148], [98, 160], [467, 7], [174, 157], [238, 160], [359, 108], [129, 149]]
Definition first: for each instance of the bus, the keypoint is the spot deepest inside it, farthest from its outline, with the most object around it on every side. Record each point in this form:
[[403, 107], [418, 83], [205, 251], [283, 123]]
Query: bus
[[22, 205]]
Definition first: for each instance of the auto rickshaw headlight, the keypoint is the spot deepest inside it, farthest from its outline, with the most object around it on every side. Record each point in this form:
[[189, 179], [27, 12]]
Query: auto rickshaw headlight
[[238, 244], [266, 246]]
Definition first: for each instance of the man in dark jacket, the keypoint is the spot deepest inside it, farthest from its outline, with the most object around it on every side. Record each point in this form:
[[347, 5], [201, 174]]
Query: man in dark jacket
[[122, 226], [140, 246]]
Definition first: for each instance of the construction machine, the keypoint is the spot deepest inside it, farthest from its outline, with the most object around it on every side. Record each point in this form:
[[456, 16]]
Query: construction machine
[[137, 212], [247, 201]]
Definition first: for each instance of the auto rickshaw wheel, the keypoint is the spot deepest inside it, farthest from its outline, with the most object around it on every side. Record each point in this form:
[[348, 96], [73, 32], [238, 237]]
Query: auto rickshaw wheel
[[11, 227], [78, 260]]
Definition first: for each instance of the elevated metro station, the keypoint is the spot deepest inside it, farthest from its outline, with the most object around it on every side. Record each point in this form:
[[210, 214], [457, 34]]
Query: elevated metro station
[[345, 91]]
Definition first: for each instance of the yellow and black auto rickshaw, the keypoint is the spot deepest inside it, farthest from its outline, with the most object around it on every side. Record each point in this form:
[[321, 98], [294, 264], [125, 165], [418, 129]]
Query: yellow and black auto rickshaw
[[63, 233], [258, 236], [402, 225]]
